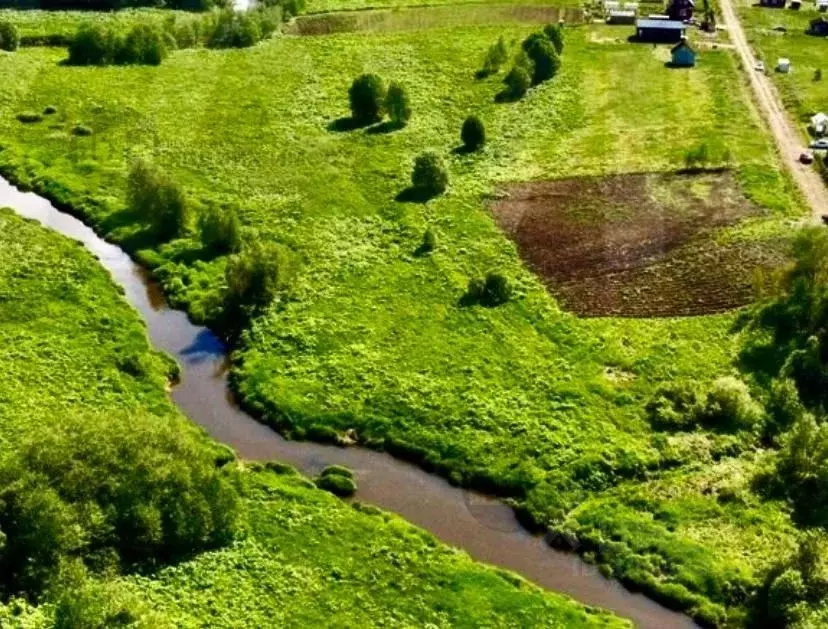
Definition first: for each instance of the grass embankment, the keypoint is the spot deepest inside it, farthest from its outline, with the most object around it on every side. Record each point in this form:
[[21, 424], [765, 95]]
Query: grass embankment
[[523, 399], [303, 557]]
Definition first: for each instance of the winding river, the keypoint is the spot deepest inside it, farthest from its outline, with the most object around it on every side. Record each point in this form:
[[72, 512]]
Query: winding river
[[484, 527]]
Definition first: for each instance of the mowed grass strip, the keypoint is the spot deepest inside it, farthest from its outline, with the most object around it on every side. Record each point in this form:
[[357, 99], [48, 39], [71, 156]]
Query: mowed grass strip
[[524, 399]]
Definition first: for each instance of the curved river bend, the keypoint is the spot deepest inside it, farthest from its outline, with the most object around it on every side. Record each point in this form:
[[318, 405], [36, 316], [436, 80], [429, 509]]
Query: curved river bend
[[484, 527]]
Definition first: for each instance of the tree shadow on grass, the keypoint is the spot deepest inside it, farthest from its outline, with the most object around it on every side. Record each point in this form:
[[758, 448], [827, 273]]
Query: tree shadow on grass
[[463, 150], [348, 123], [384, 127], [415, 195], [505, 96]]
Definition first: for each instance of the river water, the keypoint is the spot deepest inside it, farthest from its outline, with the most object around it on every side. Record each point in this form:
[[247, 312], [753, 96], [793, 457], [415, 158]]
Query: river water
[[482, 526]]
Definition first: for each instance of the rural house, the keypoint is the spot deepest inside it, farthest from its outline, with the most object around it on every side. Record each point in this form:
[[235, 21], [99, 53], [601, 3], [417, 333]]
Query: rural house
[[681, 10], [621, 16], [818, 27], [683, 56], [777, 4], [659, 31], [796, 5]]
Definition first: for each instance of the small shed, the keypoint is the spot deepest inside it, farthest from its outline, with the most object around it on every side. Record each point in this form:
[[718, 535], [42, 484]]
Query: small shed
[[783, 65], [818, 27], [659, 31], [819, 123], [621, 16], [776, 4], [795, 5], [683, 56]]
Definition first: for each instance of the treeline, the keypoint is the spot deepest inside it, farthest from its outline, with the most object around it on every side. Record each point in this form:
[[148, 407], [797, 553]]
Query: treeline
[[150, 43], [90, 495], [114, 5]]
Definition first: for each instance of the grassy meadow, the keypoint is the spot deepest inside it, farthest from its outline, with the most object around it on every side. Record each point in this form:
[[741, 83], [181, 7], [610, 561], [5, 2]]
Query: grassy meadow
[[525, 399], [303, 557]]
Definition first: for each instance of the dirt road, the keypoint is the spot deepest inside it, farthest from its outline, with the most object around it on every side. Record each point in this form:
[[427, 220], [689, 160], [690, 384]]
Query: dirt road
[[788, 139]]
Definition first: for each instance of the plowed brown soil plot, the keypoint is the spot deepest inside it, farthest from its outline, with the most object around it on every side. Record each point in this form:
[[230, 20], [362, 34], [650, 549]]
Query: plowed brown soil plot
[[637, 245]]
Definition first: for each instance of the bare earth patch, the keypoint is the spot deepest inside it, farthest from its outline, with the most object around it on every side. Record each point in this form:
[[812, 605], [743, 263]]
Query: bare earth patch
[[637, 245]]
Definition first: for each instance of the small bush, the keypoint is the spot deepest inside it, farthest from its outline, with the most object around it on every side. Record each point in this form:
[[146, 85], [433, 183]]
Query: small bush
[[697, 157], [9, 36], [337, 484], [219, 229], [473, 133], [517, 83], [397, 104], [729, 405], [429, 243], [429, 175], [81, 130], [818, 74], [786, 591], [255, 275], [158, 199], [674, 407], [496, 290], [93, 44], [236, 30], [49, 110], [144, 45], [474, 290], [496, 56], [29, 117], [337, 469], [367, 98]]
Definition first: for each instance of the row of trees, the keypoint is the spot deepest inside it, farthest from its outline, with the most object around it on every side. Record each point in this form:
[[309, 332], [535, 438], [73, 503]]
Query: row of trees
[[149, 43], [114, 5], [538, 60]]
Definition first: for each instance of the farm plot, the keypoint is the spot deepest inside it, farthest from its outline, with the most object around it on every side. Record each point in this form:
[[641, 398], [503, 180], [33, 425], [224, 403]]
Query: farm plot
[[636, 245]]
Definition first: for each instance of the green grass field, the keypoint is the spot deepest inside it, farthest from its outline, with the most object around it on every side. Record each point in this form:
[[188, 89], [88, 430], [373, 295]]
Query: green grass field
[[524, 399], [304, 558]]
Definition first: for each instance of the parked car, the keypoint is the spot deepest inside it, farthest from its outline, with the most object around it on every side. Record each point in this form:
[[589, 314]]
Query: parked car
[[821, 144], [760, 66], [806, 158]]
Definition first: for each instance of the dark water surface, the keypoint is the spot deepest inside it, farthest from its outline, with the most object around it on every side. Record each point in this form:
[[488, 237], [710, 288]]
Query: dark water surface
[[482, 526]]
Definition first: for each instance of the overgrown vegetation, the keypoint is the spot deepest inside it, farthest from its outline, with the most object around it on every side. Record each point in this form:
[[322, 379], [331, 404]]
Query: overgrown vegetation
[[100, 474], [9, 36], [523, 399]]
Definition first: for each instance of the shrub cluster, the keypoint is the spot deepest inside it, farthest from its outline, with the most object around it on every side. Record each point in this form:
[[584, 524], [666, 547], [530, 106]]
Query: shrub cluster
[[9, 36], [473, 133], [255, 275], [219, 229], [429, 177], [91, 490], [241, 30], [97, 44], [157, 199], [496, 56], [538, 61], [370, 101]]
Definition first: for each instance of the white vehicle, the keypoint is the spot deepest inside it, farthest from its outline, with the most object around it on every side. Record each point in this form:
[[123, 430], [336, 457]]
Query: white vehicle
[[759, 66], [821, 144]]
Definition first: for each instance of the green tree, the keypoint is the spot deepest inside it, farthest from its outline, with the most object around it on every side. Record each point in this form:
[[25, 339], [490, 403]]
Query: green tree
[[158, 199], [517, 83], [93, 44], [397, 104], [545, 60], [555, 34], [473, 133], [429, 175], [255, 275], [219, 229], [9, 36], [496, 290], [496, 56], [367, 97], [144, 45]]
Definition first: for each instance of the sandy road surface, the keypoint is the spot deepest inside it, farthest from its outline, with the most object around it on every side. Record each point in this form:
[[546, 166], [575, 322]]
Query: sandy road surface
[[788, 139]]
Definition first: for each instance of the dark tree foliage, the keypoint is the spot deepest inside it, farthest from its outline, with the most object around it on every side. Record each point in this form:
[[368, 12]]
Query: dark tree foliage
[[545, 60], [496, 290], [397, 104], [95, 44], [367, 98], [517, 83], [9, 36], [496, 56], [473, 133], [555, 34], [112, 5], [157, 199], [429, 175], [94, 491], [236, 30], [429, 243], [219, 229], [797, 318], [255, 275]]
